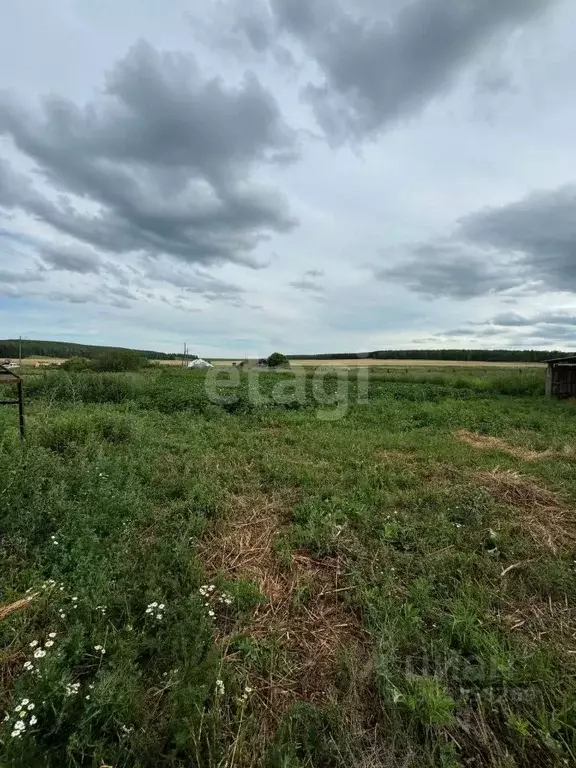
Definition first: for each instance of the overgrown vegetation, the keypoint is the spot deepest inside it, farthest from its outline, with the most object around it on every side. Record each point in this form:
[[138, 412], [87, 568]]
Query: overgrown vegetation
[[259, 582], [112, 361]]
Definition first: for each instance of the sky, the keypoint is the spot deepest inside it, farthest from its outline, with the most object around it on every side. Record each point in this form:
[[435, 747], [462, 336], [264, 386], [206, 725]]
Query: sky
[[295, 175]]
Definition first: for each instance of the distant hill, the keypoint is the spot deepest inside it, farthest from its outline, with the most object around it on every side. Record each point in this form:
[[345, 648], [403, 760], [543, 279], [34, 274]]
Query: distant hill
[[30, 348]]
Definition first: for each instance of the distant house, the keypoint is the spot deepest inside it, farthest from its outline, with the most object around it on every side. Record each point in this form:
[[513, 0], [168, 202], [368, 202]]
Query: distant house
[[199, 363]]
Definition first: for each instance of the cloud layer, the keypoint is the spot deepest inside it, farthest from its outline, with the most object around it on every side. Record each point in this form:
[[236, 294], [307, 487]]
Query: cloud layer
[[379, 67], [161, 158]]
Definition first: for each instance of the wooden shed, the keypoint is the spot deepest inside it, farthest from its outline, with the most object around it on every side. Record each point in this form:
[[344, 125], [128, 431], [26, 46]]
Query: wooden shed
[[561, 377]]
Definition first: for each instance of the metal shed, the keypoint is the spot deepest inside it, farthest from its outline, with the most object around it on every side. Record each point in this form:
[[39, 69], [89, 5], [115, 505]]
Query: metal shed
[[561, 377]]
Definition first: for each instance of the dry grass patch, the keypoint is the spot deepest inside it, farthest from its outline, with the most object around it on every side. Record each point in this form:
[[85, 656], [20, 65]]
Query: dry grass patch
[[9, 608], [489, 443], [541, 512], [539, 622], [303, 611]]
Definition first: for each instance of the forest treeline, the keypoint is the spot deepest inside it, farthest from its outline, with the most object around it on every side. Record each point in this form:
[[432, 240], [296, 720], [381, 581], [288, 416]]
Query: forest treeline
[[10, 348]]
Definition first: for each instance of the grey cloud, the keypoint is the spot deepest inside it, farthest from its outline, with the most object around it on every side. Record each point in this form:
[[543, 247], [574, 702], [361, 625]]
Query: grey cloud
[[306, 285], [71, 259], [377, 69], [522, 248], [195, 281], [456, 269], [164, 154], [515, 320], [467, 333], [542, 227], [314, 273], [8, 276], [20, 287]]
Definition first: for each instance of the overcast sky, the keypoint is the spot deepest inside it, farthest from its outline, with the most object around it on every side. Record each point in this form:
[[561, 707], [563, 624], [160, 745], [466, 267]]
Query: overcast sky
[[300, 175]]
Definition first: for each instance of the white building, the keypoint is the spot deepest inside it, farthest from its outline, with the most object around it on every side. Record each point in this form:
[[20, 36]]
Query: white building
[[199, 363]]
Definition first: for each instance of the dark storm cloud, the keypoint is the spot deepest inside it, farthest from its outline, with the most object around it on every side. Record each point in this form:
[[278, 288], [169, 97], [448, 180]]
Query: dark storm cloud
[[71, 259], [163, 156], [380, 67], [524, 246]]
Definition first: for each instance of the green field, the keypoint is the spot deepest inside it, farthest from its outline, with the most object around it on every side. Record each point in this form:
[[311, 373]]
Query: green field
[[318, 573]]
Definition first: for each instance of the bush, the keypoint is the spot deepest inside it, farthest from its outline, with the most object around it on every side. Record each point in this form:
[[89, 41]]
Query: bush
[[117, 361], [77, 365], [276, 360]]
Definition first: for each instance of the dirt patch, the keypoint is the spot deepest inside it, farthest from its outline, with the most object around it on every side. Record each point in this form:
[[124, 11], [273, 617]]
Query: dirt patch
[[488, 443], [541, 511], [304, 611]]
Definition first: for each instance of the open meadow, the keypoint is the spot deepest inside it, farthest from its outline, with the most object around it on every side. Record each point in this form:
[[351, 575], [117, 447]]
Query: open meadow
[[313, 572]]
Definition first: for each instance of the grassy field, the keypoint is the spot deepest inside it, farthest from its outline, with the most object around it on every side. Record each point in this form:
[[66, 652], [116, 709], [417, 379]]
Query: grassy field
[[360, 363], [365, 363], [289, 575]]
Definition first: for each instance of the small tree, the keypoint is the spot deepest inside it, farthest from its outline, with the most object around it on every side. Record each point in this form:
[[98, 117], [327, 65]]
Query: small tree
[[277, 360]]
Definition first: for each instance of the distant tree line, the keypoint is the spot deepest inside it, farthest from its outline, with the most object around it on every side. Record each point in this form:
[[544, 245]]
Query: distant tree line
[[469, 355], [10, 348]]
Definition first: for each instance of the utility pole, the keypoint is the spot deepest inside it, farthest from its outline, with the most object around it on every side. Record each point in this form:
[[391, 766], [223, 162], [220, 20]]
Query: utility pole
[[20, 353]]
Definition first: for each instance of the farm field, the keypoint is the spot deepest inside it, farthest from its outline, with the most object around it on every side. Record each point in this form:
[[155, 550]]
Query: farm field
[[322, 576]]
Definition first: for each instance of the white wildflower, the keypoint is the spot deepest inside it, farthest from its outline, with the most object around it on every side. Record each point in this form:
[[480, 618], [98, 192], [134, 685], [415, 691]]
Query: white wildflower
[[33, 644], [52, 635], [19, 725], [39, 654], [49, 643], [30, 706], [211, 613], [159, 616], [100, 648], [220, 686], [28, 665], [33, 720], [161, 606]]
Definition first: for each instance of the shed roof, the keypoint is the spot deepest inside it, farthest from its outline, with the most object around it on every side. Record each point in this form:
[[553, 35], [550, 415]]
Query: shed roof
[[568, 359]]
